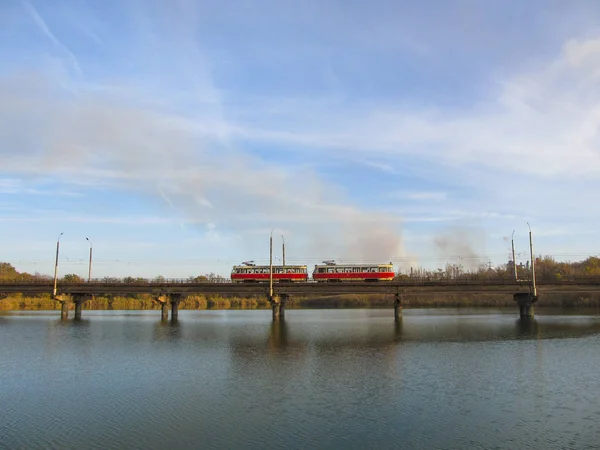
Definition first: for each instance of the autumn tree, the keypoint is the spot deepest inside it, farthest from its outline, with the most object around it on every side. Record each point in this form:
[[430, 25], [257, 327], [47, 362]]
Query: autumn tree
[[72, 278]]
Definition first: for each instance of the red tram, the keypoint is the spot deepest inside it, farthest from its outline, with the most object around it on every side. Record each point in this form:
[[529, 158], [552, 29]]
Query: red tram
[[331, 272], [250, 273]]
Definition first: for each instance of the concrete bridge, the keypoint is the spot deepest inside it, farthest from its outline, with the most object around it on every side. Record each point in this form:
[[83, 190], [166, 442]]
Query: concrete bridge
[[172, 292]]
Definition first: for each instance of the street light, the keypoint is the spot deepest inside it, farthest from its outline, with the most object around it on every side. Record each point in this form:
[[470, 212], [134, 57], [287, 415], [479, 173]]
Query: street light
[[513, 254], [283, 251], [271, 266], [90, 264], [532, 263], [56, 264]]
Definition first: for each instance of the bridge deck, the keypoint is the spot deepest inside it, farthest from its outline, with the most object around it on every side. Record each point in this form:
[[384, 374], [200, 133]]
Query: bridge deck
[[499, 286]]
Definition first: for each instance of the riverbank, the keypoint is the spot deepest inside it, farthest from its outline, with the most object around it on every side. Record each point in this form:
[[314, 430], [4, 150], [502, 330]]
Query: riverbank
[[204, 302]]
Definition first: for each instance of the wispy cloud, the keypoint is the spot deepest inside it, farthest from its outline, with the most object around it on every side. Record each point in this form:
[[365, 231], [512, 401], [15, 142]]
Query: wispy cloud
[[15, 186], [420, 195], [43, 27]]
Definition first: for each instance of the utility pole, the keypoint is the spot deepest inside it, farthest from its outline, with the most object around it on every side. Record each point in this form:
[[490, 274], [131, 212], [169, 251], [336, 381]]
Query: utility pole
[[90, 264], [534, 289], [271, 266], [513, 255], [283, 251], [56, 264]]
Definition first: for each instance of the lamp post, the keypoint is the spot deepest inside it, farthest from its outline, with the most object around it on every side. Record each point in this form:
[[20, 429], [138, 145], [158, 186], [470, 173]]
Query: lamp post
[[271, 266], [532, 263], [513, 255], [90, 264], [56, 264], [283, 251]]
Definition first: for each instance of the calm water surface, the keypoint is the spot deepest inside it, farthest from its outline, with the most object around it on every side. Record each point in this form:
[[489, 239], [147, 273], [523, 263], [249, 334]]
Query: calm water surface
[[322, 379]]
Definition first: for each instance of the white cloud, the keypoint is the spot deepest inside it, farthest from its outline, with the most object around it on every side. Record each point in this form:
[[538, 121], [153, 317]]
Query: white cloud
[[16, 186], [534, 121], [420, 195]]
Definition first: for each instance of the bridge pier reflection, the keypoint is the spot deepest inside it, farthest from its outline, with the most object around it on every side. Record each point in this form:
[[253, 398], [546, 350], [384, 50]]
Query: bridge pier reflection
[[278, 336]]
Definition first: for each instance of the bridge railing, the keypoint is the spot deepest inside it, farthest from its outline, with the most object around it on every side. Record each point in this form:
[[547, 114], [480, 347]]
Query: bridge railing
[[102, 281], [401, 281]]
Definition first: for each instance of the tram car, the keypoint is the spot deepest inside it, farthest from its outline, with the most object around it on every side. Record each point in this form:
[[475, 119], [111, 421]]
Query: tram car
[[329, 271], [248, 272]]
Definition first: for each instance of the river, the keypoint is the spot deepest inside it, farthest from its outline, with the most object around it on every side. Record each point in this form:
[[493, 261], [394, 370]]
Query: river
[[351, 379]]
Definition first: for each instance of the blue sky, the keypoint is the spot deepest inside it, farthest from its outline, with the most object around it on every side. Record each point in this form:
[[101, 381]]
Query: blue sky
[[177, 134]]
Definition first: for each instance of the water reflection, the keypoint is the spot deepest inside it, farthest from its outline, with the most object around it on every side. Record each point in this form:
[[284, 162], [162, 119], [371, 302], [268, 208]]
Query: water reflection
[[398, 323], [423, 327], [71, 324], [527, 328], [332, 379], [278, 335], [167, 330]]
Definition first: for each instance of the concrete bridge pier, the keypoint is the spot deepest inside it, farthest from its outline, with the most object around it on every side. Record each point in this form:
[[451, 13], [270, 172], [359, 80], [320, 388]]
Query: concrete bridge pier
[[64, 305], [79, 299], [398, 306], [64, 309], [164, 305], [278, 305], [175, 299], [525, 300]]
